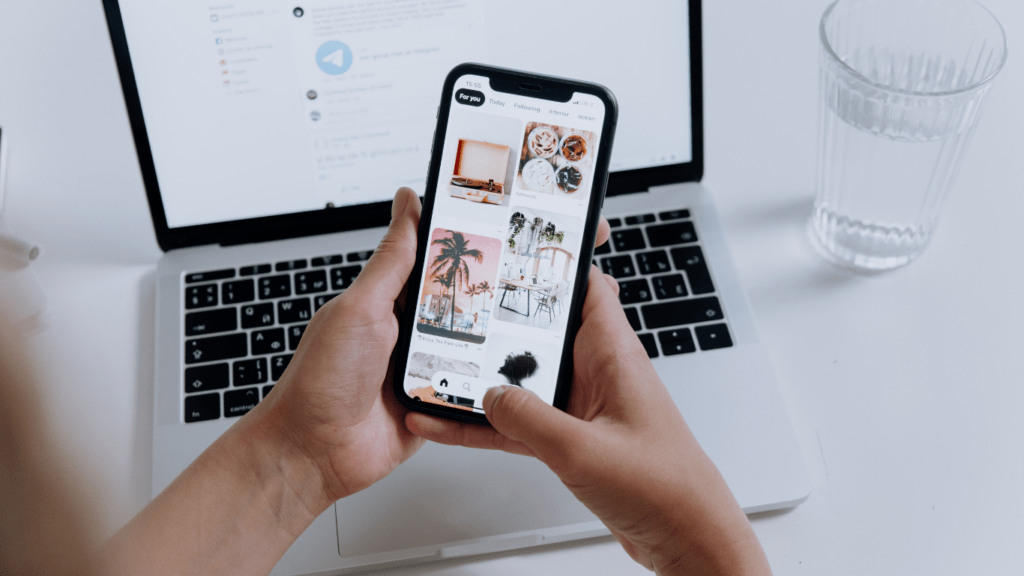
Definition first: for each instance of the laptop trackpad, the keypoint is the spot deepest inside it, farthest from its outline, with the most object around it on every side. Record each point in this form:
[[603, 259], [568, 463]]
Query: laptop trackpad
[[447, 494]]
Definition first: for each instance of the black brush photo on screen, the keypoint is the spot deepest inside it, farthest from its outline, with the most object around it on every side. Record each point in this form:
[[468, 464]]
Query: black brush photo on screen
[[518, 367]]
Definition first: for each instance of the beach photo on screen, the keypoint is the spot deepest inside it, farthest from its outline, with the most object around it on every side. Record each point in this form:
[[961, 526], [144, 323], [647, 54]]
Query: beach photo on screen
[[458, 292]]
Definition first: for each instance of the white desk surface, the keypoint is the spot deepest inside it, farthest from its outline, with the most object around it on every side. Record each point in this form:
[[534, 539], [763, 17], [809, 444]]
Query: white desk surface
[[906, 389]]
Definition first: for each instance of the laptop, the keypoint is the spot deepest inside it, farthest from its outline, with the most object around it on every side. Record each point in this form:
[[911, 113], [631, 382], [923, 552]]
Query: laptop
[[271, 139]]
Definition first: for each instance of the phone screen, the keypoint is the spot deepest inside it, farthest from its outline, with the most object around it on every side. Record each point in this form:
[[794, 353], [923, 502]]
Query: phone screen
[[505, 239]]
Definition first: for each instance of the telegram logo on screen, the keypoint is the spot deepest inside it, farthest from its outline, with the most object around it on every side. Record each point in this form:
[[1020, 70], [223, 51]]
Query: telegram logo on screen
[[334, 57]]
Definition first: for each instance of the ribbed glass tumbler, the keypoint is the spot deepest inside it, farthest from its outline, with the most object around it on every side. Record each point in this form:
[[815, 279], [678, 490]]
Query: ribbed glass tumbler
[[902, 84]]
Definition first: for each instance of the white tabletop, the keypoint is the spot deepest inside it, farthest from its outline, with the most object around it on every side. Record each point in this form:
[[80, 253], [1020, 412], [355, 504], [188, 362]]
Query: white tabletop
[[906, 389]]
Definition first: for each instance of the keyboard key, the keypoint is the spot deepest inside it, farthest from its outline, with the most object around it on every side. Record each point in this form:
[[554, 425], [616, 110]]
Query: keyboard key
[[628, 239], [258, 315], [294, 335], [671, 286], [679, 312], [343, 277], [250, 372], [614, 222], [634, 318], [254, 270], [237, 292], [671, 234], [648, 341], [275, 286], [238, 402], [677, 342], [640, 219], [206, 378], [201, 296], [212, 275], [674, 214], [202, 407], [278, 365], [211, 322], [319, 301], [267, 341], [290, 311], [215, 348], [618, 266], [653, 262], [691, 260], [327, 260], [362, 256], [633, 291], [714, 336], [290, 265], [309, 282], [267, 389], [605, 248]]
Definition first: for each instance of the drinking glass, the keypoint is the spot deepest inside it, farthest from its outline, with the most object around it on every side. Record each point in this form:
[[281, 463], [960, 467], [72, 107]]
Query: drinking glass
[[902, 85]]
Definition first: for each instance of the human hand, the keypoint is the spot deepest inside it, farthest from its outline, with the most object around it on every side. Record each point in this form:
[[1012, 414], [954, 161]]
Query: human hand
[[623, 449], [334, 403]]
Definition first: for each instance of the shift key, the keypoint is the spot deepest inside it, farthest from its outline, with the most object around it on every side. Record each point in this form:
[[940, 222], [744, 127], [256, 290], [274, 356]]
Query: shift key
[[680, 312], [215, 348]]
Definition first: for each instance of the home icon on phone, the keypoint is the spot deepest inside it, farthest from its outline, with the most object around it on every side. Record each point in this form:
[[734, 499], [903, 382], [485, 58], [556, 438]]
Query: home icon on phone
[[444, 382]]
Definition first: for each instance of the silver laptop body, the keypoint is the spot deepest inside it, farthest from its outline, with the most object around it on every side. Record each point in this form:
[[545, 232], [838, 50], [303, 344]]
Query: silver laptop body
[[728, 395]]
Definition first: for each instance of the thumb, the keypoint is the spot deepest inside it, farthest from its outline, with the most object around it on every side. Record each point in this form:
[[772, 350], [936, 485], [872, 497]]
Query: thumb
[[521, 415], [382, 280]]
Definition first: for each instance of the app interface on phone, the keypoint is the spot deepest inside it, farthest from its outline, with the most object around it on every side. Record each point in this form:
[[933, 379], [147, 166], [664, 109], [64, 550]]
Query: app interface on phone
[[505, 237]]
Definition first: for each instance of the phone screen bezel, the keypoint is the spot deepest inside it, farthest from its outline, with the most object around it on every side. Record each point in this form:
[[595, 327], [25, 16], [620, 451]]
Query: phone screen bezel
[[507, 81]]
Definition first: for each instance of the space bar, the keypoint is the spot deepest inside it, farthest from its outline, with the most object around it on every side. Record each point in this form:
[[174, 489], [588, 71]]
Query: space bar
[[681, 312]]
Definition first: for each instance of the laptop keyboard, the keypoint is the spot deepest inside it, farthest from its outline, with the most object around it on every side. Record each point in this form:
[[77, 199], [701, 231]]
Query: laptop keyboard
[[243, 324], [665, 285]]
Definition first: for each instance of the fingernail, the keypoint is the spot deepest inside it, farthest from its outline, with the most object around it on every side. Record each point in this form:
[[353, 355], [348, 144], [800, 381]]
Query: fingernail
[[400, 203], [493, 394]]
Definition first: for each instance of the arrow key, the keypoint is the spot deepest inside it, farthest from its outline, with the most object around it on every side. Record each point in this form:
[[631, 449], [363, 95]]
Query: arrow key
[[713, 336]]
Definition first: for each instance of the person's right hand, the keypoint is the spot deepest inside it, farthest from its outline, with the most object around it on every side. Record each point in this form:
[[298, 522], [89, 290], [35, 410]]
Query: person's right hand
[[623, 449]]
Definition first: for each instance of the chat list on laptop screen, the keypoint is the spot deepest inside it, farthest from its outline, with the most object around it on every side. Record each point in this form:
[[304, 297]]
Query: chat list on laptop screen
[[261, 107]]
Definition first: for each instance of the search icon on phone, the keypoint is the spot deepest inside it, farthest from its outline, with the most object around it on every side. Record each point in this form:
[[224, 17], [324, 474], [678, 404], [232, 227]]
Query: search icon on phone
[[466, 386]]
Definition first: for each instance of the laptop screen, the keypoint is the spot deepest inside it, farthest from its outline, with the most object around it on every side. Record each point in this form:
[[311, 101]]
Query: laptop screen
[[259, 108]]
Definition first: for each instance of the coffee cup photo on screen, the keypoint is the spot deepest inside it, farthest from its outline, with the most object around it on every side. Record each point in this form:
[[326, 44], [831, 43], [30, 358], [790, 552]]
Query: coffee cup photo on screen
[[517, 361], [538, 268], [421, 370], [557, 160], [458, 289], [479, 161]]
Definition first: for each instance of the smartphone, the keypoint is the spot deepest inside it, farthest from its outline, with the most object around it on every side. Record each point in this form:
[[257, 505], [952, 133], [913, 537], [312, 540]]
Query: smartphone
[[517, 178]]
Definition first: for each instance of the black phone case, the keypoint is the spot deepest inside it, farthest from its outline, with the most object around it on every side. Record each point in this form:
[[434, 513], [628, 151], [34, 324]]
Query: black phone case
[[534, 86]]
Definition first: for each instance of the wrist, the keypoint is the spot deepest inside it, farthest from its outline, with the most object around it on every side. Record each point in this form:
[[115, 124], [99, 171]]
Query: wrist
[[712, 545], [281, 463]]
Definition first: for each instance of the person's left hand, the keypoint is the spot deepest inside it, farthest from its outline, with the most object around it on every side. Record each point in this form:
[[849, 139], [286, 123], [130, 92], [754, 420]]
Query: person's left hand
[[335, 401]]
